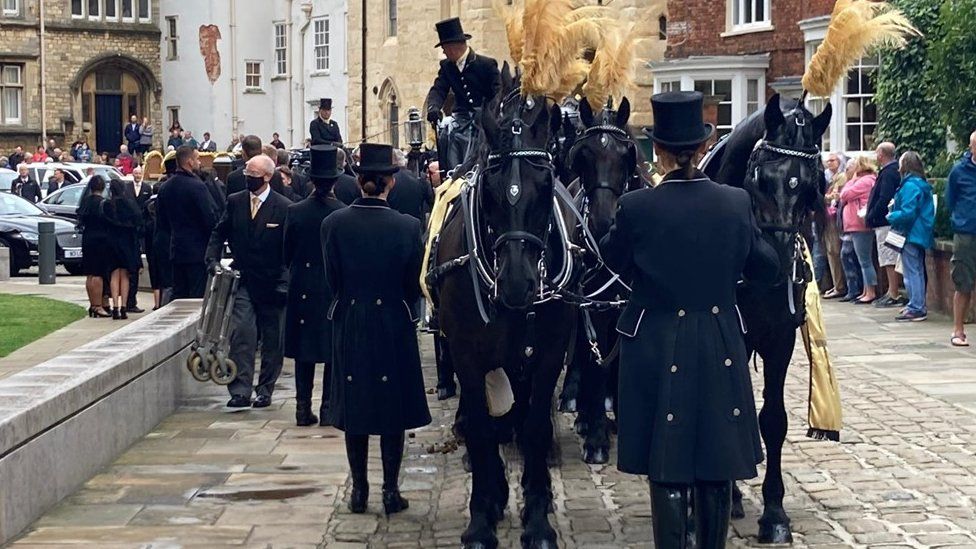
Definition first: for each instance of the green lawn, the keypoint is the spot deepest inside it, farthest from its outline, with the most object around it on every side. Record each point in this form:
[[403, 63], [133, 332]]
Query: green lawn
[[24, 319]]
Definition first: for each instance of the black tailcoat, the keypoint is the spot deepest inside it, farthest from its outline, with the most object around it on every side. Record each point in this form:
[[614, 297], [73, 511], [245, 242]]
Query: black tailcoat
[[186, 211], [411, 196], [686, 409], [257, 245], [478, 84], [372, 262], [324, 133], [308, 331], [347, 189]]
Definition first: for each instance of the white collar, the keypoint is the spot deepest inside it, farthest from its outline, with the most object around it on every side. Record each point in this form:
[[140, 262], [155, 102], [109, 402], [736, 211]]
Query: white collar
[[464, 59], [264, 195]]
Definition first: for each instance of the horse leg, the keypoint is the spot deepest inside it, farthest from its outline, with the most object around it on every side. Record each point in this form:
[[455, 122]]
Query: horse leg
[[738, 511], [568, 398], [774, 525], [593, 397], [535, 440]]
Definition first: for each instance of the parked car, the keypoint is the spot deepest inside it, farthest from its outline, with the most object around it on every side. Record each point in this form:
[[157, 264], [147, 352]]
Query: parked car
[[65, 200], [7, 179], [19, 231], [74, 172]]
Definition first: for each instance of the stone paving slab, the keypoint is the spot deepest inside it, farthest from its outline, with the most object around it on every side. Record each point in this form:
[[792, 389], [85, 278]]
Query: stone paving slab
[[903, 475]]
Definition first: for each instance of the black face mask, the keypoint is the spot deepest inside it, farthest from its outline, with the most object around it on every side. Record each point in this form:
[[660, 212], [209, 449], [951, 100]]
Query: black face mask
[[254, 184]]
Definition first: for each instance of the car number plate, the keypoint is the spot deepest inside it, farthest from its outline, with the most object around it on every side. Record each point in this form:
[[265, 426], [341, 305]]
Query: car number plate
[[72, 253]]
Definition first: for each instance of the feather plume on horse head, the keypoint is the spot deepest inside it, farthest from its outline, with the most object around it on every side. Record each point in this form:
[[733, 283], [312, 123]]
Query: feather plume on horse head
[[612, 71], [856, 27], [547, 38]]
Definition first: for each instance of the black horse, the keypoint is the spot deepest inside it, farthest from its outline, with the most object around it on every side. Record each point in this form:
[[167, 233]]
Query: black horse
[[775, 155], [497, 264], [605, 157]]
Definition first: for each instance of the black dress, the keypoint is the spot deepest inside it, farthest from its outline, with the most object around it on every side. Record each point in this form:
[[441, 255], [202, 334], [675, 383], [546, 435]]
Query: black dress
[[686, 407], [372, 262], [308, 331], [98, 255], [125, 217]]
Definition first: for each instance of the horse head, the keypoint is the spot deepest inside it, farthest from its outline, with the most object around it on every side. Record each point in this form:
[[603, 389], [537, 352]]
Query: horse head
[[785, 174], [605, 158], [516, 189]]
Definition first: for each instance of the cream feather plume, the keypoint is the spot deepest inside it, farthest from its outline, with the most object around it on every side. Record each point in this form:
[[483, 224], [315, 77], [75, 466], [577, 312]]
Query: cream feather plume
[[612, 71], [856, 27]]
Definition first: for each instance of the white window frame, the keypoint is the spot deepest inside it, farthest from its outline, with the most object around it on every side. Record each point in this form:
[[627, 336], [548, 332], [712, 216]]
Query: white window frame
[[723, 129], [735, 8], [281, 48], [321, 51], [148, 17], [83, 4], [12, 12], [862, 99], [248, 74], [97, 16], [172, 37], [174, 115], [115, 4], [134, 9], [19, 85]]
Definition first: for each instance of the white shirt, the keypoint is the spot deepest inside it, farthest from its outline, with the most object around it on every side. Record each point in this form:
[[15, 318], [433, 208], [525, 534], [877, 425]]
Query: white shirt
[[264, 195], [463, 60], [137, 185]]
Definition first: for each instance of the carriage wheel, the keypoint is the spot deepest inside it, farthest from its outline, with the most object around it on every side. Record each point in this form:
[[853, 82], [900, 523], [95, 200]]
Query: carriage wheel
[[197, 368], [222, 371]]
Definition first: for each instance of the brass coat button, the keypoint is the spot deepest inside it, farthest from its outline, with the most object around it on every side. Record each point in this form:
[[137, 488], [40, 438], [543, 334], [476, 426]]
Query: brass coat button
[[736, 412], [728, 362], [348, 378], [670, 417], [384, 379], [301, 321], [681, 312], [379, 301], [674, 369], [715, 310]]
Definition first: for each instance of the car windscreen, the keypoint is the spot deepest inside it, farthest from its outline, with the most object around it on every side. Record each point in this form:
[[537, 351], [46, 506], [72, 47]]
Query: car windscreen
[[7, 181], [15, 205]]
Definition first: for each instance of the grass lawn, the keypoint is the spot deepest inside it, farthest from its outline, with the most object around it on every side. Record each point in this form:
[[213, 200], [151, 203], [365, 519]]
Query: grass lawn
[[24, 319]]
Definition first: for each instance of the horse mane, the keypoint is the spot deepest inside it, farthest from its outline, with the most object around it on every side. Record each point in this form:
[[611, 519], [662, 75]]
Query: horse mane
[[728, 162]]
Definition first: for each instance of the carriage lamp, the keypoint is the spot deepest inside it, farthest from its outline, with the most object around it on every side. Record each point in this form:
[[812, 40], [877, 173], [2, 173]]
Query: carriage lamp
[[415, 128]]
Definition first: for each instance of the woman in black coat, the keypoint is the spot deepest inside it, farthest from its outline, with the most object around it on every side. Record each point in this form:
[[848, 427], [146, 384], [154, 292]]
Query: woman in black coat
[[97, 252], [372, 264], [687, 417], [125, 216], [308, 331]]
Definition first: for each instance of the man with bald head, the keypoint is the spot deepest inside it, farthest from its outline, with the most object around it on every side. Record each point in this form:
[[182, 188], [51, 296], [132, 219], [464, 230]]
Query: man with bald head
[[961, 199], [253, 225], [889, 180]]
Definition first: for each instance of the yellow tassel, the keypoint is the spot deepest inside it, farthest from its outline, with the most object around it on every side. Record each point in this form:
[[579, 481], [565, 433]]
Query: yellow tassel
[[612, 71], [856, 28]]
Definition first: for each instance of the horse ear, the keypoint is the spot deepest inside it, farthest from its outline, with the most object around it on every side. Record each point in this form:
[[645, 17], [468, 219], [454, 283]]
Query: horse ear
[[822, 121], [774, 114], [586, 113], [555, 119], [506, 75], [623, 113]]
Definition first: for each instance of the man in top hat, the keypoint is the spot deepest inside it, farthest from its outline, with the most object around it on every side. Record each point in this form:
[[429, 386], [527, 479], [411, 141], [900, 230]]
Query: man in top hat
[[323, 129], [308, 331], [473, 78]]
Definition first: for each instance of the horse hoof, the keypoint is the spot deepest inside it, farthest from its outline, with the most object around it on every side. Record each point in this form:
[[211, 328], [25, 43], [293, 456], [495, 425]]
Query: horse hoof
[[738, 512], [775, 534], [596, 456], [539, 544], [567, 405]]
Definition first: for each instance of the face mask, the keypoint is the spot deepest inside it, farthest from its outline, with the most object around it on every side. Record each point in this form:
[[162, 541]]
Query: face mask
[[254, 183]]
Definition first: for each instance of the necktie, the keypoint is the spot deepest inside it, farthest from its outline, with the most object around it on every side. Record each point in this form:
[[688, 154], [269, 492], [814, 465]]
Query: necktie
[[255, 206]]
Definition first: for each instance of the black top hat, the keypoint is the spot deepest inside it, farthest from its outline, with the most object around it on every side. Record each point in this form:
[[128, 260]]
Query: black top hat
[[325, 103], [324, 162], [678, 119], [450, 31], [376, 158]]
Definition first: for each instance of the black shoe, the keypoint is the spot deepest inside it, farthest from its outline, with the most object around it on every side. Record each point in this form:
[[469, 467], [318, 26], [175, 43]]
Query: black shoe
[[135, 310], [393, 502], [123, 313], [358, 499], [886, 302], [262, 402], [238, 401], [303, 414], [322, 421], [445, 393], [115, 313]]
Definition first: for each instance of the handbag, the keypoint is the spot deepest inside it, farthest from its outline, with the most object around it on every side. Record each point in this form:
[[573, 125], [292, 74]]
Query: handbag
[[895, 241]]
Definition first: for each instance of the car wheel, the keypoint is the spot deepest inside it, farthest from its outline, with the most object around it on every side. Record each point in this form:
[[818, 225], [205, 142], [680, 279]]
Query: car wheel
[[74, 269]]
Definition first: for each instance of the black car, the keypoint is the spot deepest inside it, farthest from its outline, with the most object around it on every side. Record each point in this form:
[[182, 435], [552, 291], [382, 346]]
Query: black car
[[19, 221]]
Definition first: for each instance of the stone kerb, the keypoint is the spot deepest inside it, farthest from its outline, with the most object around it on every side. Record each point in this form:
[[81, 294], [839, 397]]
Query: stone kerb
[[63, 420]]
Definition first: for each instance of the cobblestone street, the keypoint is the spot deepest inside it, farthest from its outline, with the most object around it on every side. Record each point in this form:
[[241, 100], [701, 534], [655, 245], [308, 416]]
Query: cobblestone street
[[904, 474]]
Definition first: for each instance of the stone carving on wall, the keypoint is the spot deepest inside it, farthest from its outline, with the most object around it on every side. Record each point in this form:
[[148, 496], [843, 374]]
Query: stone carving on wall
[[209, 35]]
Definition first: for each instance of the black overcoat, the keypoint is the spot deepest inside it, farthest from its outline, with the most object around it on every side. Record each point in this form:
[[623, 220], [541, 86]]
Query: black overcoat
[[372, 262], [347, 189], [308, 331], [186, 212], [411, 196], [686, 407], [473, 87], [324, 133]]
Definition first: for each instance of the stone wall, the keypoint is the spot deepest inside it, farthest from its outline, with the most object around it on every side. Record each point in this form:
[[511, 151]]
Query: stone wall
[[71, 46], [408, 62]]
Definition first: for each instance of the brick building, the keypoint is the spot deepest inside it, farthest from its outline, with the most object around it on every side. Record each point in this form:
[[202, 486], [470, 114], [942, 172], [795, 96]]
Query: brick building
[[402, 61], [742, 51], [101, 64]]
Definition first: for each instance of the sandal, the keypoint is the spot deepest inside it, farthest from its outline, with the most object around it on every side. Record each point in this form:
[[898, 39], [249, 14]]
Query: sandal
[[959, 341], [833, 294]]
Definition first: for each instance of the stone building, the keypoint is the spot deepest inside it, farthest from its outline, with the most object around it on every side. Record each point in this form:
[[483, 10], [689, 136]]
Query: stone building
[[100, 63], [742, 51], [252, 67], [402, 61]]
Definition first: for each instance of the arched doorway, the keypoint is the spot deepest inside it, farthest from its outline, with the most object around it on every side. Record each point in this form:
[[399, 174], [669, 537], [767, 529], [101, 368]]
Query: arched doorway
[[109, 90], [390, 107]]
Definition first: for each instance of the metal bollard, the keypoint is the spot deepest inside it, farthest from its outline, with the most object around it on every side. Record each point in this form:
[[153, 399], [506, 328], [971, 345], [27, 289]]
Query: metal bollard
[[47, 253]]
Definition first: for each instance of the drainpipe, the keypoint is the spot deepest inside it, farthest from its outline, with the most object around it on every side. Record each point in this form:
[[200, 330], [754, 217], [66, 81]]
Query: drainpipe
[[363, 75], [233, 67], [40, 14], [291, 75], [307, 10]]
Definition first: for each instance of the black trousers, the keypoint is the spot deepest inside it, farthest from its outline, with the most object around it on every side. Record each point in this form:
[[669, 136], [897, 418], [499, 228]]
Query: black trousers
[[189, 280], [305, 381], [253, 320], [130, 301], [445, 366]]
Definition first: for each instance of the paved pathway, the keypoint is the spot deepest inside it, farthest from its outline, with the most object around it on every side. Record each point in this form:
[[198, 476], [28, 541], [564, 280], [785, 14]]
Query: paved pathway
[[904, 474], [72, 290]]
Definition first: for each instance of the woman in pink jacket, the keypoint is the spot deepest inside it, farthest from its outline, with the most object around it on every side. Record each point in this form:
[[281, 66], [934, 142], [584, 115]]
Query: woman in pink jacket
[[855, 199]]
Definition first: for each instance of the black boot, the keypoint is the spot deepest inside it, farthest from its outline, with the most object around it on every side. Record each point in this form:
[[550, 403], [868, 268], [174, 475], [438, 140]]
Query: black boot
[[392, 451], [357, 450], [669, 508], [303, 414], [713, 508]]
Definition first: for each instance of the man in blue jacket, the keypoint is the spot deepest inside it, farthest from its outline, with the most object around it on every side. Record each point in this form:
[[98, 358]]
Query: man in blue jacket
[[132, 133], [889, 180], [961, 199]]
